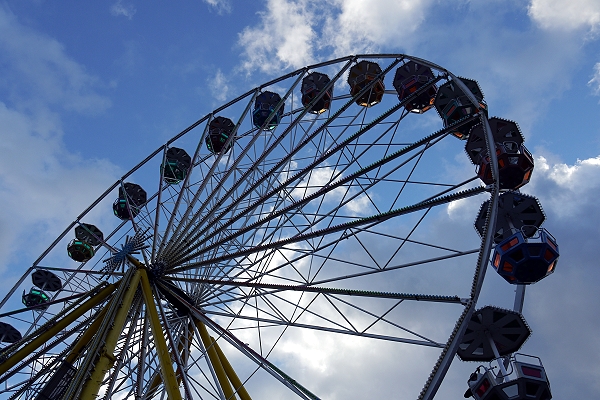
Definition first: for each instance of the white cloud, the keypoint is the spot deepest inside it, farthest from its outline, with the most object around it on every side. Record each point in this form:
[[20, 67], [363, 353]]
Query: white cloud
[[218, 86], [292, 34], [42, 185], [44, 72], [222, 6], [566, 14], [318, 178], [360, 205], [358, 25], [594, 83], [567, 188], [285, 37], [119, 9]]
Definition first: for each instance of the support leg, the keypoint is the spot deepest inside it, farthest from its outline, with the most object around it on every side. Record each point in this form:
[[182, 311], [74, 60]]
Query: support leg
[[106, 357], [215, 361], [164, 358], [237, 383], [55, 329]]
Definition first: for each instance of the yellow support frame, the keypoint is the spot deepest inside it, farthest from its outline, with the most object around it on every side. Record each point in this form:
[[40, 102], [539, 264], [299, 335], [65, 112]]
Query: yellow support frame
[[237, 383], [164, 357], [86, 337], [56, 328], [225, 372], [181, 348], [107, 358], [223, 369], [215, 361]]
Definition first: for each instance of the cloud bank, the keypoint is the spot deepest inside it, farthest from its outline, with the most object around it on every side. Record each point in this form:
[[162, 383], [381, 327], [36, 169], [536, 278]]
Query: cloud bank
[[42, 184], [566, 14], [292, 34]]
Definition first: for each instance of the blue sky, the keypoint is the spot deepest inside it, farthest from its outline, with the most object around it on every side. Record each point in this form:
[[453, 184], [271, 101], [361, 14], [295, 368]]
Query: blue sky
[[87, 90]]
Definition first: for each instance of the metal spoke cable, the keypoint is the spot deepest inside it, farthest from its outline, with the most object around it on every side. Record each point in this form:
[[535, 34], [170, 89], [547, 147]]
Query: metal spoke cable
[[337, 228], [288, 157], [324, 190]]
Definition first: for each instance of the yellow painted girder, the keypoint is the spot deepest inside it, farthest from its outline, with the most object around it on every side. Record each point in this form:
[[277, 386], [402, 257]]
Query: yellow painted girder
[[56, 328], [237, 383], [86, 337], [106, 357], [164, 357]]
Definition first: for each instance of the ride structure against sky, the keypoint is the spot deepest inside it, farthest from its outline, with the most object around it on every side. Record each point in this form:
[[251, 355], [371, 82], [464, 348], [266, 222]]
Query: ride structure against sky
[[317, 207]]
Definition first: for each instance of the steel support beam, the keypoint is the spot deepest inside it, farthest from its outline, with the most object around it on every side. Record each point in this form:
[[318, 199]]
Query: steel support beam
[[235, 380], [86, 337], [519, 298], [164, 357], [56, 328], [215, 361], [106, 357]]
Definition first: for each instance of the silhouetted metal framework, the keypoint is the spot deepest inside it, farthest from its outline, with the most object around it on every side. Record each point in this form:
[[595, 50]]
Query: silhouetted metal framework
[[291, 209]]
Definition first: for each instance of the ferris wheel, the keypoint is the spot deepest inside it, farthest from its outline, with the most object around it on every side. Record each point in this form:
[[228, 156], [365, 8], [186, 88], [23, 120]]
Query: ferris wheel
[[311, 209]]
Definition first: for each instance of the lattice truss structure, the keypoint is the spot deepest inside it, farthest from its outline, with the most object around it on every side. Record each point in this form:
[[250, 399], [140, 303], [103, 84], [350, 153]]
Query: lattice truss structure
[[316, 204]]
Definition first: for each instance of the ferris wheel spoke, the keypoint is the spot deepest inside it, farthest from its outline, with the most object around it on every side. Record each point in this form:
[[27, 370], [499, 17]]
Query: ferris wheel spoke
[[285, 320], [323, 290], [403, 186], [156, 221], [333, 330], [276, 191], [378, 317], [288, 157], [378, 218], [353, 328], [370, 271], [204, 183], [330, 293], [341, 204], [158, 243], [403, 242], [354, 146], [232, 167], [321, 192], [403, 239], [80, 271], [253, 167], [243, 269]]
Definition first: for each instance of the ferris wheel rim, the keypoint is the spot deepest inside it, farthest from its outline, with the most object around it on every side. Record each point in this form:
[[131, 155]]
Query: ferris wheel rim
[[449, 348]]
